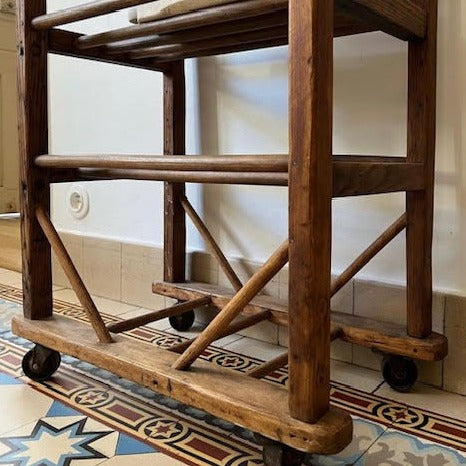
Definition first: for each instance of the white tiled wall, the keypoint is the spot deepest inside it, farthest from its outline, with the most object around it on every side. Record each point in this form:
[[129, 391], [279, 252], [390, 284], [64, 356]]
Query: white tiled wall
[[125, 272]]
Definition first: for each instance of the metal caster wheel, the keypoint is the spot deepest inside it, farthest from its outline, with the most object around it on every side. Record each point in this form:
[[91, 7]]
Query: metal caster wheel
[[277, 454], [183, 322], [41, 363], [399, 372]]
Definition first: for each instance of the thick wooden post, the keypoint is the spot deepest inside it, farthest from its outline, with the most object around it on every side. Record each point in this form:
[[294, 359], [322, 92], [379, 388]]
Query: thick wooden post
[[174, 144], [422, 74], [310, 193], [33, 136]]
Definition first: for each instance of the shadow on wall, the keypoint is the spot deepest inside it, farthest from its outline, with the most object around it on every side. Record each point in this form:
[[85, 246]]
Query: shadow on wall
[[244, 110]]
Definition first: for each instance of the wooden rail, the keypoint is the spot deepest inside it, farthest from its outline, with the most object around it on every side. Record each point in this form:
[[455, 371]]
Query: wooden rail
[[210, 16], [279, 18], [224, 163], [176, 310]]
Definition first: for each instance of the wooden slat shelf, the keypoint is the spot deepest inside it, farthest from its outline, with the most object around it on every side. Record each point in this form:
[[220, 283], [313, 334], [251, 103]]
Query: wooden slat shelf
[[230, 395], [377, 335], [239, 26]]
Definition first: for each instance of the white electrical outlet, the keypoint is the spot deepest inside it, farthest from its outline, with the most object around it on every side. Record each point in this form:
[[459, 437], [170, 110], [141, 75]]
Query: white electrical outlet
[[78, 201]]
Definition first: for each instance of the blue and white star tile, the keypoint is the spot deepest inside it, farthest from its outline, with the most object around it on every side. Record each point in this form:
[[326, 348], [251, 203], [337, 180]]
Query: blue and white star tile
[[58, 442]]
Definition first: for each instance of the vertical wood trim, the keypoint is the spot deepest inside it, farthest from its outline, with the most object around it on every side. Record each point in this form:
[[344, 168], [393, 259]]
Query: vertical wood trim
[[33, 137], [174, 143], [422, 74], [310, 193]]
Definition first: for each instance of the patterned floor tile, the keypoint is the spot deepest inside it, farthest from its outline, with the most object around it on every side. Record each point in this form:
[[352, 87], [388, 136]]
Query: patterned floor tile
[[143, 427], [394, 448]]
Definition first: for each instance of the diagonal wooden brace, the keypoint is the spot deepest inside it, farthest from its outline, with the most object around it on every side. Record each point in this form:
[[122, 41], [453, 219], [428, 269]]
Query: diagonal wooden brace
[[244, 296], [176, 310], [73, 276], [211, 243]]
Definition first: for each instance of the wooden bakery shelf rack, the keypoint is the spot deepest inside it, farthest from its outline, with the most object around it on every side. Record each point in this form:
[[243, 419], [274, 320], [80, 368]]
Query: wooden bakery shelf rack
[[297, 419]]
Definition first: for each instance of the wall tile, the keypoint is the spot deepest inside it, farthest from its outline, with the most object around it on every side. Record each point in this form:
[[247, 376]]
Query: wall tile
[[102, 267], [455, 330], [74, 246], [141, 266]]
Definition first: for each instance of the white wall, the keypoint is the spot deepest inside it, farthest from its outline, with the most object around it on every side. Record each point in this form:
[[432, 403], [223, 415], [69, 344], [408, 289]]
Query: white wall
[[238, 104]]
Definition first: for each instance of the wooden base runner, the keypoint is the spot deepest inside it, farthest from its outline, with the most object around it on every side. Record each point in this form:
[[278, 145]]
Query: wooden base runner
[[386, 337], [233, 396]]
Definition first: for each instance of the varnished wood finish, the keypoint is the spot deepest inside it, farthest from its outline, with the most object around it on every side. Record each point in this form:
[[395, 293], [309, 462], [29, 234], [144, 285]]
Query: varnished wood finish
[[174, 130], [209, 16], [64, 43], [225, 163], [240, 178], [33, 137], [83, 11], [402, 18], [73, 276], [405, 19], [230, 395], [391, 338], [234, 40], [235, 327], [270, 366], [364, 258], [211, 243], [352, 176], [176, 310], [310, 195], [221, 322], [422, 74], [202, 33]]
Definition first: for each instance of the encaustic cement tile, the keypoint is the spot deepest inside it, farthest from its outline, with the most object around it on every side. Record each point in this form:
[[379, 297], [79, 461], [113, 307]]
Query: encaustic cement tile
[[193, 436]]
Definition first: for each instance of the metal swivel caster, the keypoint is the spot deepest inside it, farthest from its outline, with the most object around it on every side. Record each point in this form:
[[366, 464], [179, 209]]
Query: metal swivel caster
[[278, 454], [182, 322], [399, 372], [41, 363]]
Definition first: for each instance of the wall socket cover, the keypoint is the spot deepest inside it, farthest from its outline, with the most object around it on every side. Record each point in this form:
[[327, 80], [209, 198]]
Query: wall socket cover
[[78, 201]]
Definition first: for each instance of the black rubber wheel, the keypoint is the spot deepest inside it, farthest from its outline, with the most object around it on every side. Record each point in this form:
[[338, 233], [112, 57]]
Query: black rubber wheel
[[183, 322], [399, 372], [41, 363]]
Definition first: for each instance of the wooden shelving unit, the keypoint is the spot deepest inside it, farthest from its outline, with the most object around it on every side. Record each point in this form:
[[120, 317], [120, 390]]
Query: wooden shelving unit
[[297, 419]]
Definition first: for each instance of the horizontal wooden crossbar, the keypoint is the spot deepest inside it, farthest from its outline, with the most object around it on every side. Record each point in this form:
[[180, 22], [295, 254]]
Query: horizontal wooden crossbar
[[209, 387], [382, 336], [352, 176], [176, 310]]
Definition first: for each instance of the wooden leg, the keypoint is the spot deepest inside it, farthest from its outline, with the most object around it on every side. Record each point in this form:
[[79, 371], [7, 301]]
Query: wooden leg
[[310, 194], [174, 143], [33, 136], [421, 148]]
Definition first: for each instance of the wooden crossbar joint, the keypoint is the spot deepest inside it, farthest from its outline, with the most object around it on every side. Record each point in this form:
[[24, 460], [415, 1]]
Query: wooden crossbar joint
[[211, 243], [244, 296], [363, 259], [176, 310], [73, 276], [236, 327]]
